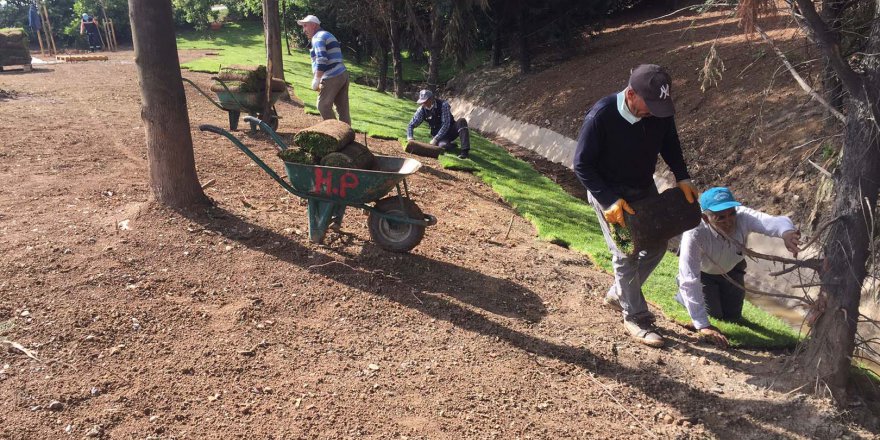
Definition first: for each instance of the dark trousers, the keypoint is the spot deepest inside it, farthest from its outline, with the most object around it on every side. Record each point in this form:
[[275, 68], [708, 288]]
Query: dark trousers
[[724, 300], [459, 129]]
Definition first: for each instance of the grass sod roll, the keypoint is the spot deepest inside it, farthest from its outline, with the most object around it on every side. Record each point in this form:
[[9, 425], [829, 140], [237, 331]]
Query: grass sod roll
[[622, 239], [295, 155], [659, 218], [253, 77], [278, 85], [354, 155], [423, 149], [325, 137]]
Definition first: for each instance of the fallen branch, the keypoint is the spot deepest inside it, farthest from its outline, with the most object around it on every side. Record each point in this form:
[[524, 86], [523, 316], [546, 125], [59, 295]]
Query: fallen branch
[[820, 168], [797, 77]]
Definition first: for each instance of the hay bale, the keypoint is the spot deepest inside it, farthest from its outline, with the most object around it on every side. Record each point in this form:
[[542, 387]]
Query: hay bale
[[296, 155], [423, 149], [325, 137], [659, 218], [354, 155]]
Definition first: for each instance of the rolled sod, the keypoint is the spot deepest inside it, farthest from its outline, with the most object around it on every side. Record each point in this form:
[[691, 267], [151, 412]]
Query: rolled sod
[[659, 218], [253, 77], [278, 85], [296, 155], [13, 47], [325, 137], [354, 155], [423, 149]]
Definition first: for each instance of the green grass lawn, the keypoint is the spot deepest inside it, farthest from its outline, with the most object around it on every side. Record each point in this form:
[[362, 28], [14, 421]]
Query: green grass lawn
[[558, 217]]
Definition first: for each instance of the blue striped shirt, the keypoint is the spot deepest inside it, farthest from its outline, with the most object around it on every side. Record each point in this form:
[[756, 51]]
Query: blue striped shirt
[[326, 54]]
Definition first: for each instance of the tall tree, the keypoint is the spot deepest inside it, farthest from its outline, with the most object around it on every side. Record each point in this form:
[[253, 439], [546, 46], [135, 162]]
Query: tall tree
[[163, 105], [829, 350], [395, 29], [272, 31]]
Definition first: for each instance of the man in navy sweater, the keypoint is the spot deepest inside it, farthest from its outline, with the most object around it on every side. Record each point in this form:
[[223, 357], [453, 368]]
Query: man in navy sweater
[[615, 160]]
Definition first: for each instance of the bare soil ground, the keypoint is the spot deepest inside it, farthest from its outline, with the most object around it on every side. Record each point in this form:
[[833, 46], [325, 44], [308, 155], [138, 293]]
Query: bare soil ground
[[228, 323]]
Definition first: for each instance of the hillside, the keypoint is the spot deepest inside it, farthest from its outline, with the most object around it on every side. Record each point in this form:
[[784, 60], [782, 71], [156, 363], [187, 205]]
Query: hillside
[[754, 131]]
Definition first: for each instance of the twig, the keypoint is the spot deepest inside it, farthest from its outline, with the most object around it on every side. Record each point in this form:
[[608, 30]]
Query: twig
[[784, 271], [209, 184], [332, 262], [713, 5], [596, 381], [797, 77], [806, 285], [29, 353], [820, 168], [509, 225]]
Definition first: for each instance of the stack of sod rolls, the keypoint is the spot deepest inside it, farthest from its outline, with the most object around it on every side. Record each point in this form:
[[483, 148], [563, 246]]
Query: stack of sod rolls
[[245, 79], [329, 143], [13, 48]]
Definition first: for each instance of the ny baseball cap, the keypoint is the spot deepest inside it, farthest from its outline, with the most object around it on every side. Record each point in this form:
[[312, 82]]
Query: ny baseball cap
[[717, 199], [309, 19], [424, 95], [654, 85]]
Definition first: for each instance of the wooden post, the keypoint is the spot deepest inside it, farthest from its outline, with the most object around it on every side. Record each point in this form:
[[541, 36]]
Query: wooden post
[[113, 34], [106, 23], [40, 40], [47, 26]]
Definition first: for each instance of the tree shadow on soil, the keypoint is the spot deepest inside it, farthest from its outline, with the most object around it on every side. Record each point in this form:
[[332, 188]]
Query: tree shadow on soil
[[380, 273]]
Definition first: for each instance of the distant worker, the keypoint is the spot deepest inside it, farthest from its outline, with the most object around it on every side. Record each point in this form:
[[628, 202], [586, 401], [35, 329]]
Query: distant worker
[[330, 76], [90, 26], [615, 160], [711, 266], [444, 127]]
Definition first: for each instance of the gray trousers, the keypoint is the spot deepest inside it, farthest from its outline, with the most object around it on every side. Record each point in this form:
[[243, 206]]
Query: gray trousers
[[459, 130], [630, 272], [334, 91]]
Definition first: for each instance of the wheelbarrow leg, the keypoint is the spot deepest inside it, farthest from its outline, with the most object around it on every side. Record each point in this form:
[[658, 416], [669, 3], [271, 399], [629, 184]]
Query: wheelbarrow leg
[[233, 119], [320, 216]]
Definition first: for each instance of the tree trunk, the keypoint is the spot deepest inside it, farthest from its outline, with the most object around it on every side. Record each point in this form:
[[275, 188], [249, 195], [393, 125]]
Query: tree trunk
[[829, 351], [163, 106], [383, 66], [286, 29], [522, 40], [272, 30], [497, 45], [831, 13], [397, 60], [436, 47]]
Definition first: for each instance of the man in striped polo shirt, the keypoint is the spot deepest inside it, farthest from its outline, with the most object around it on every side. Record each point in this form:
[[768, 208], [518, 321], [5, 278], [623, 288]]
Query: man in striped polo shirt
[[331, 77]]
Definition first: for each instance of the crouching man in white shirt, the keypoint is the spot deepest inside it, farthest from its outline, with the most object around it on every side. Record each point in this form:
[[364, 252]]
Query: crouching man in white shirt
[[707, 255]]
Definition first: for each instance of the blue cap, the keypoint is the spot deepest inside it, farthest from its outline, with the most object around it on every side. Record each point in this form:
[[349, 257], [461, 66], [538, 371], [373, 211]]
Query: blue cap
[[717, 199], [86, 17]]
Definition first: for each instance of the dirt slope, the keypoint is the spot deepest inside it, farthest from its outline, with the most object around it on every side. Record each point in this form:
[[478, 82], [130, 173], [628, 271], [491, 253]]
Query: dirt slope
[[228, 323], [753, 131]]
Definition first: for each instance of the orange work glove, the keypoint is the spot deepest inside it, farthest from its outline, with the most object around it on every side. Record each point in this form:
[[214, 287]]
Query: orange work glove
[[614, 214], [690, 193]]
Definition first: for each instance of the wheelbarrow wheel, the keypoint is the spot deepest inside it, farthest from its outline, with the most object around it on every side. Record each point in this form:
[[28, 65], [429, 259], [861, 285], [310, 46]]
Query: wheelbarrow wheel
[[396, 236]]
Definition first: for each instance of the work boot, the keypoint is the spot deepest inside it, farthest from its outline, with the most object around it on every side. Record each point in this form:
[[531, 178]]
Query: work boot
[[464, 154], [641, 328], [612, 302]]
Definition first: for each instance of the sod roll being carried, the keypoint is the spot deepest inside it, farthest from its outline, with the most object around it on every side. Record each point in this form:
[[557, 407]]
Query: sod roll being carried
[[325, 137], [659, 218], [354, 155], [423, 149]]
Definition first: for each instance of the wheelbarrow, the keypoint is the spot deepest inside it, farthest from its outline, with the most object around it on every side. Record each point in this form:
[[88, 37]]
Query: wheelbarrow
[[234, 103], [395, 223]]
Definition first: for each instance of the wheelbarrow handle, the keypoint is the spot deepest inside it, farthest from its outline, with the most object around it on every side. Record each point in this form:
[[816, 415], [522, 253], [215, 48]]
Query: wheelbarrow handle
[[266, 128], [250, 154]]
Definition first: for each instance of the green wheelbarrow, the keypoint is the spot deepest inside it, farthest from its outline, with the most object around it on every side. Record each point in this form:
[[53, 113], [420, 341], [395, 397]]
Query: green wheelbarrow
[[236, 102], [395, 223]]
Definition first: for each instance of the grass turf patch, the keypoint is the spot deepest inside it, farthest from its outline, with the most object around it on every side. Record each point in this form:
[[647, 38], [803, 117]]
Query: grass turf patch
[[558, 217]]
